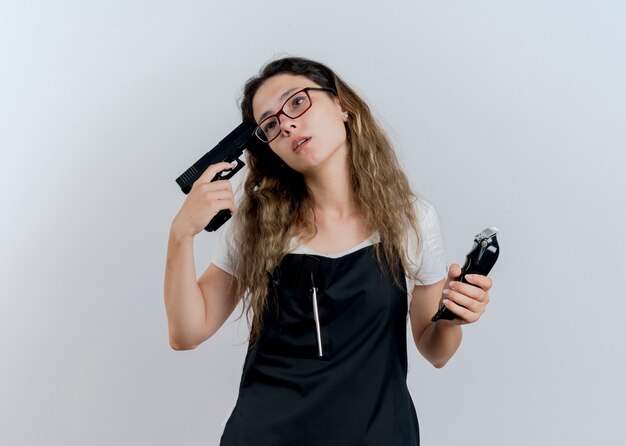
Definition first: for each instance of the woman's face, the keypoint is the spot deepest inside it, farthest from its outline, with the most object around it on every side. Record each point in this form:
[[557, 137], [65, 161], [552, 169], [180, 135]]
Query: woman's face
[[323, 123]]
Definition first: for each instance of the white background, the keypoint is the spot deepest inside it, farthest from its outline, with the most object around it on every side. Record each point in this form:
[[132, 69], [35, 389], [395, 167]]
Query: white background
[[507, 114]]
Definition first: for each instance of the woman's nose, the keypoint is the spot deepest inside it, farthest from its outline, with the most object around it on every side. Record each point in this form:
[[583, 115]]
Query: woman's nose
[[286, 123]]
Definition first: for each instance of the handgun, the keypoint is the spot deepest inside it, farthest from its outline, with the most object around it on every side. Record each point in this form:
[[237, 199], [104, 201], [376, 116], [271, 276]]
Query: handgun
[[480, 260], [229, 149]]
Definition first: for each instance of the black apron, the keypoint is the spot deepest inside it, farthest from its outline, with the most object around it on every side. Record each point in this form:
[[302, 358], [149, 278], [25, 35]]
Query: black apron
[[355, 393]]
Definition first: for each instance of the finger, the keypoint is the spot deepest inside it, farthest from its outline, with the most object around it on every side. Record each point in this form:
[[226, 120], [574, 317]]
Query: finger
[[211, 186], [475, 306], [468, 290], [482, 281], [224, 203], [228, 204], [219, 195], [213, 170], [465, 314]]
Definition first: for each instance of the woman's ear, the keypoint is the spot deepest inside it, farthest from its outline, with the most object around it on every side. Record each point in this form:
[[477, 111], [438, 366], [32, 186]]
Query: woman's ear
[[344, 113]]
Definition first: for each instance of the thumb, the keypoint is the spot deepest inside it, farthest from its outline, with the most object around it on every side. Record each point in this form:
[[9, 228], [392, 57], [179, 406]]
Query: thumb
[[454, 271]]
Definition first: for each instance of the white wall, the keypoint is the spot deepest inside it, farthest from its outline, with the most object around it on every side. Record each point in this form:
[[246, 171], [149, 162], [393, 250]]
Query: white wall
[[504, 113]]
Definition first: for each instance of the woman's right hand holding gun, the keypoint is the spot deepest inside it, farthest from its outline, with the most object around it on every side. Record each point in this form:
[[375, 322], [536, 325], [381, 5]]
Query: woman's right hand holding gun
[[204, 201]]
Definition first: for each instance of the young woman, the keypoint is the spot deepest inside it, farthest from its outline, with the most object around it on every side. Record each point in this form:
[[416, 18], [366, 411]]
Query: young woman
[[332, 253]]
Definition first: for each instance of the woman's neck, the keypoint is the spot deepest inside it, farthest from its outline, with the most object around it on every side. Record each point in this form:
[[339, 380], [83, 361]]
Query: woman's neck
[[330, 190]]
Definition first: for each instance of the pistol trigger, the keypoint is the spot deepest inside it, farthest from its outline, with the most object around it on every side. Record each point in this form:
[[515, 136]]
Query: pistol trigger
[[227, 173], [238, 163]]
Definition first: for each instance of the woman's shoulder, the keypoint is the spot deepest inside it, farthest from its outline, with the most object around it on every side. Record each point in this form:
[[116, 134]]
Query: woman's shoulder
[[225, 248], [429, 253], [425, 211]]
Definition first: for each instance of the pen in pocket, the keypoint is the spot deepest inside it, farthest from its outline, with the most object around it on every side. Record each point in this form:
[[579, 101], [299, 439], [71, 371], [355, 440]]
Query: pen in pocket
[[317, 318]]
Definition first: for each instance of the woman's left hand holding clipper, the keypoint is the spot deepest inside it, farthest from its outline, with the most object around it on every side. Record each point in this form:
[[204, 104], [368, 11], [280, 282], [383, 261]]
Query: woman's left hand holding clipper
[[466, 300]]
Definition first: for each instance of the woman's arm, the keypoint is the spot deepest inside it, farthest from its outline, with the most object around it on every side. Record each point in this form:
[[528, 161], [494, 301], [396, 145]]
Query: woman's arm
[[438, 341], [195, 309], [184, 303]]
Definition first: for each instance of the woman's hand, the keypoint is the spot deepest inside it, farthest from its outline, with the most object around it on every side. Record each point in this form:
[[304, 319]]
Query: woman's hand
[[204, 201], [467, 301]]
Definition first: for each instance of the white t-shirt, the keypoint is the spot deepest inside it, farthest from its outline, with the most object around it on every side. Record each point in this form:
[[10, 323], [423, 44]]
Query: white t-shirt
[[431, 257]]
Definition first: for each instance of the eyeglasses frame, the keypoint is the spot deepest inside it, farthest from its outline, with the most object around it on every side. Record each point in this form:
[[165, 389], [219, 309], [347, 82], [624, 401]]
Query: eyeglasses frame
[[281, 111]]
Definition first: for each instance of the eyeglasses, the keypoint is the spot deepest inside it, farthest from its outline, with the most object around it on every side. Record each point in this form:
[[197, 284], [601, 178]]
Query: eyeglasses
[[294, 107]]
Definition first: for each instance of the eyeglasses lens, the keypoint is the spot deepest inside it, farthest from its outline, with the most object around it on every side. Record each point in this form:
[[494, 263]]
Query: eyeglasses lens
[[295, 106]]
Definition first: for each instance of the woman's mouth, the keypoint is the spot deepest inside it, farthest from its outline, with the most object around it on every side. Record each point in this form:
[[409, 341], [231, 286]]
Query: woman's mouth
[[300, 145]]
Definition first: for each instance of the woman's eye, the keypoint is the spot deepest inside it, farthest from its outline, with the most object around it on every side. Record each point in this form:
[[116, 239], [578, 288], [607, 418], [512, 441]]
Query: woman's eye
[[269, 126], [297, 101]]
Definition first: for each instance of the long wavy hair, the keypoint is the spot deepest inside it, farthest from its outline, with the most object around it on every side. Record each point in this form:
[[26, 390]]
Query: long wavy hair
[[276, 205]]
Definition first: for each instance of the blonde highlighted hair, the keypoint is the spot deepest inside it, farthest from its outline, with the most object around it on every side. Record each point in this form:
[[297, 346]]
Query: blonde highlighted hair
[[276, 205]]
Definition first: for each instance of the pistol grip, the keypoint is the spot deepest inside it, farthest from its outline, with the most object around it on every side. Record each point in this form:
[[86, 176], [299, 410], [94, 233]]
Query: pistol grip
[[220, 218], [224, 215]]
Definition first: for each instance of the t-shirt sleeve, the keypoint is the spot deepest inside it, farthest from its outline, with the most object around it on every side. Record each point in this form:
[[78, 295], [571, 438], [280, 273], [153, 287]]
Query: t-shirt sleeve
[[431, 257], [225, 250]]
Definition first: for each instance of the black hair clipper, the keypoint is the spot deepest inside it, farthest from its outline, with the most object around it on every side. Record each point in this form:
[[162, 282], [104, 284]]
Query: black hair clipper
[[480, 260]]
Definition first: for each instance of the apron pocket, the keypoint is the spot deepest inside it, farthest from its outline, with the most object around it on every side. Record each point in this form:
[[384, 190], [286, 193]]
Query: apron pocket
[[296, 334]]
